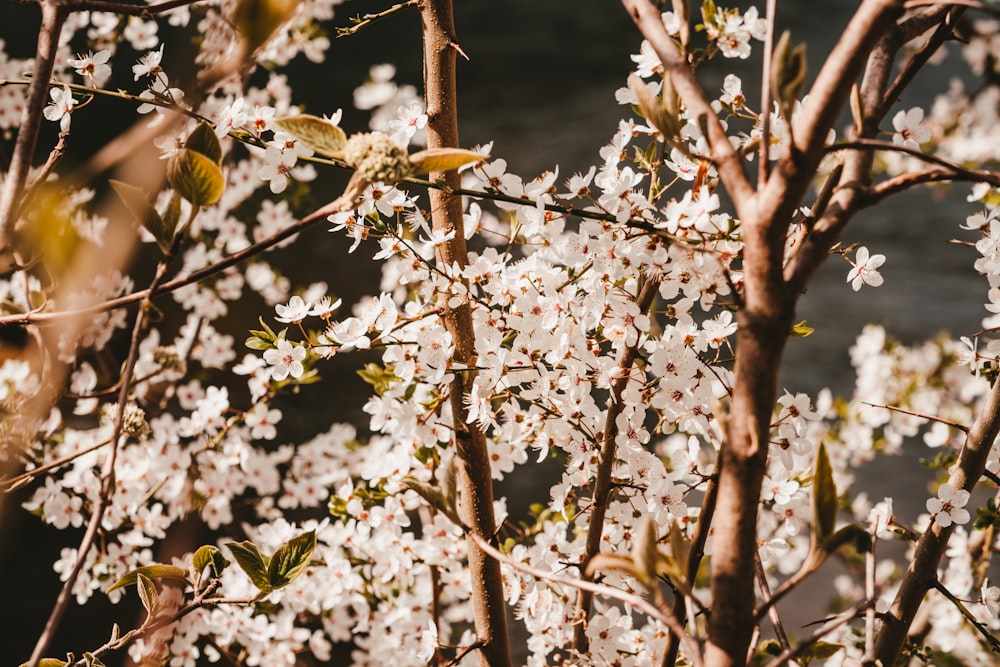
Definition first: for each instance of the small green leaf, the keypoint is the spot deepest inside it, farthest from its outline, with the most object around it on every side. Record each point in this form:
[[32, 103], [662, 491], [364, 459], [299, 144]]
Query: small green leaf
[[148, 595], [138, 205], [195, 177], [290, 559], [788, 73], [443, 159], [381, 379], [644, 551], [90, 660], [660, 110], [822, 650], [317, 133], [203, 140], [256, 20], [158, 571], [801, 330], [250, 560], [258, 343], [209, 555], [615, 562], [824, 497]]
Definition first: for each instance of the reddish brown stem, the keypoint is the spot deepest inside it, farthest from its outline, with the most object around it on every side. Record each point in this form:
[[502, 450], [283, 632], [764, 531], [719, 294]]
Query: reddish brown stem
[[475, 478]]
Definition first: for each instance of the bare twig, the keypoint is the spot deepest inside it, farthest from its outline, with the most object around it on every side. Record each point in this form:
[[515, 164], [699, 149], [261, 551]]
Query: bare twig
[[961, 427], [367, 19]]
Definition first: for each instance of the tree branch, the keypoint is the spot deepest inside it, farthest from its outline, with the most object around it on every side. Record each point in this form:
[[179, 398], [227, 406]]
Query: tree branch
[[727, 160], [922, 571], [474, 474]]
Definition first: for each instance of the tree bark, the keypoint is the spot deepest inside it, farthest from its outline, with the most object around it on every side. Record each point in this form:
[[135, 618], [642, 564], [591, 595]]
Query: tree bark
[[474, 477]]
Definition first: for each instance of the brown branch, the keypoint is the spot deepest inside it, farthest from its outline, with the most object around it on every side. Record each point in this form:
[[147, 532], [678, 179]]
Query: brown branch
[[475, 479], [921, 573], [903, 182], [801, 647], [606, 459], [727, 160], [54, 14], [124, 9]]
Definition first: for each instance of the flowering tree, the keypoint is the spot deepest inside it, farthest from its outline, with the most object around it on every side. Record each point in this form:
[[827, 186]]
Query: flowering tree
[[627, 322]]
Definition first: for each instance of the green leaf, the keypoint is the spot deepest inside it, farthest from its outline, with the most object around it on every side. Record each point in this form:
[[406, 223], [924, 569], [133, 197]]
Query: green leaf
[[824, 497], [139, 206], [90, 660], [195, 177], [258, 343], [381, 379], [256, 20], [148, 595], [660, 110], [801, 330], [290, 559], [158, 571], [788, 73], [317, 133], [645, 552], [209, 555], [203, 140], [822, 650], [48, 662], [250, 560], [443, 159]]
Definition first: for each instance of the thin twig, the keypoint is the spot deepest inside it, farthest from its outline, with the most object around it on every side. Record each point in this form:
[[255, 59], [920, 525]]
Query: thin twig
[[831, 625], [20, 480], [961, 427], [366, 20], [984, 176]]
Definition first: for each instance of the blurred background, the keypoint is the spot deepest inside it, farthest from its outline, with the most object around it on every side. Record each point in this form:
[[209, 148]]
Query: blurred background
[[539, 83]]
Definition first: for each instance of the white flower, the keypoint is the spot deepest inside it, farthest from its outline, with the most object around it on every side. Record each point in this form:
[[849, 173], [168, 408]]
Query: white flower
[[286, 360], [948, 507], [909, 129], [990, 597], [865, 271], [296, 310], [93, 66], [61, 106], [149, 64]]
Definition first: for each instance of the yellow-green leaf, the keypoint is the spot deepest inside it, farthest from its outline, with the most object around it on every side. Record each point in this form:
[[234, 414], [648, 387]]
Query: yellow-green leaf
[[209, 555], [317, 133], [48, 662], [195, 177], [250, 560], [203, 140], [256, 20], [801, 330], [148, 595], [443, 159], [290, 559], [660, 110], [824, 494], [788, 73], [644, 550], [157, 571], [139, 206]]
